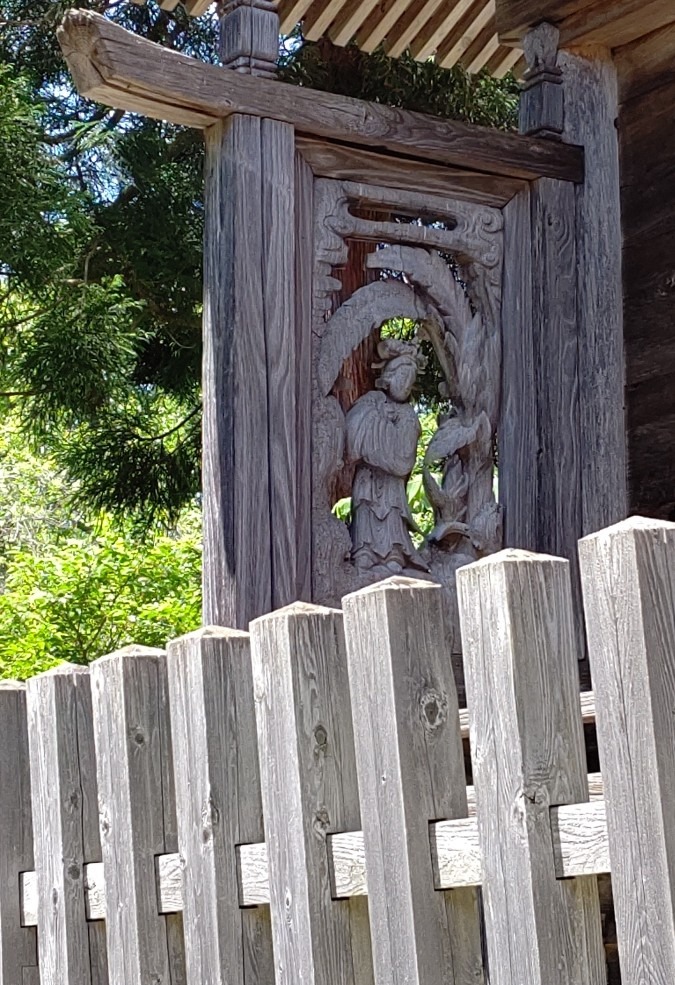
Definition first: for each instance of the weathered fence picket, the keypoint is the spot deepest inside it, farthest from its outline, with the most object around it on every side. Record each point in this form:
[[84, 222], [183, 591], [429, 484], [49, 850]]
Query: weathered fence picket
[[628, 574], [66, 831], [518, 636], [269, 805], [18, 945], [309, 790], [218, 805], [411, 772], [137, 814]]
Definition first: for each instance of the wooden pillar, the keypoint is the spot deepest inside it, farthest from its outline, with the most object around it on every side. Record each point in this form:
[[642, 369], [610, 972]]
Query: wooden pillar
[[562, 460], [540, 439], [249, 466], [591, 110]]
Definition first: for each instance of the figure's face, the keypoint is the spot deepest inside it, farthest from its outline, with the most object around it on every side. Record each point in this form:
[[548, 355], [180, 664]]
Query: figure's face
[[398, 381]]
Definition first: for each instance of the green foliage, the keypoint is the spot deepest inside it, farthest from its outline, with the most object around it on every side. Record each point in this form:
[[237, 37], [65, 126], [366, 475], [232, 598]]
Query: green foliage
[[89, 595], [77, 585], [101, 222]]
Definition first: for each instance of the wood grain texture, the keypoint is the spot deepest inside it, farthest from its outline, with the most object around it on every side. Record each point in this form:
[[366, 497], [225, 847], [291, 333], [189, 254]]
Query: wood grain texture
[[120, 69], [411, 771], [137, 813], [277, 141], [528, 755], [646, 63], [519, 420], [629, 591], [237, 570], [218, 805], [18, 945], [591, 107], [309, 790], [304, 268], [349, 163], [578, 831], [541, 439], [64, 798], [605, 22]]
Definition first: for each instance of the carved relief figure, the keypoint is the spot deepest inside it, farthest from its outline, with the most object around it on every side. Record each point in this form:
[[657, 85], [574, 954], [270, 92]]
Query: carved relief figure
[[382, 434]]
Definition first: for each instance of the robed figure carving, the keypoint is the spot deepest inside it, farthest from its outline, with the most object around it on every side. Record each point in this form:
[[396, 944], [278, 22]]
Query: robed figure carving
[[383, 430]]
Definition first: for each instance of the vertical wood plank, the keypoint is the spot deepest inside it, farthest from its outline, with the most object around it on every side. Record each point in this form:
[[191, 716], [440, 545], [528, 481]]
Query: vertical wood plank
[[304, 266], [519, 423], [528, 755], [628, 574], [218, 805], [278, 207], [237, 563], [18, 945], [591, 110], [64, 798], [309, 790], [137, 813], [540, 480], [411, 772]]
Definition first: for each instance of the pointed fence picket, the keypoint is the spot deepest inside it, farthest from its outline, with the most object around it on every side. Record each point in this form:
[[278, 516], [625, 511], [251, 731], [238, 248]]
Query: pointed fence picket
[[292, 806]]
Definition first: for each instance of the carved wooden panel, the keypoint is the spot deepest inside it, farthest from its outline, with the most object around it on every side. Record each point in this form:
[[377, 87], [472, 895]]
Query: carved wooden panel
[[439, 266]]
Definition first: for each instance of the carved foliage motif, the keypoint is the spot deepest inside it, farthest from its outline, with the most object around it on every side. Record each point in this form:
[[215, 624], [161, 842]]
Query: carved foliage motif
[[456, 308]]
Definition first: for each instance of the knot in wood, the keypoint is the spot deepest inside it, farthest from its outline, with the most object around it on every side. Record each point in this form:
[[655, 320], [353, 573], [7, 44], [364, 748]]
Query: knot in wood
[[139, 736], [74, 871], [321, 821], [321, 737], [433, 709]]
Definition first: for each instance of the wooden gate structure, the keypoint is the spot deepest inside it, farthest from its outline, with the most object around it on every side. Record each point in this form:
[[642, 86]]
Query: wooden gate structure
[[510, 271]]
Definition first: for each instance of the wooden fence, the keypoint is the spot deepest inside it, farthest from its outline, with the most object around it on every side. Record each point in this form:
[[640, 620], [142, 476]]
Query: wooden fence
[[142, 844]]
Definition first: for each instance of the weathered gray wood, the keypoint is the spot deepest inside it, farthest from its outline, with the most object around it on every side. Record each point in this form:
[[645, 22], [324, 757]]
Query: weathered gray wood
[[218, 805], [249, 36], [580, 848], [137, 813], [629, 591], [411, 772], [120, 69], [542, 95], [348, 163], [304, 220], [18, 951], [528, 754], [65, 812], [309, 790], [237, 563], [278, 207], [591, 109], [541, 440], [519, 421]]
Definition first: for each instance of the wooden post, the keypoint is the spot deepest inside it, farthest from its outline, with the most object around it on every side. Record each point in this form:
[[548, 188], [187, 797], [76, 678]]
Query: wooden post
[[218, 805], [411, 772], [628, 576], [137, 813], [309, 791], [591, 110], [542, 444], [528, 755], [65, 809], [18, 945], [249, 463]]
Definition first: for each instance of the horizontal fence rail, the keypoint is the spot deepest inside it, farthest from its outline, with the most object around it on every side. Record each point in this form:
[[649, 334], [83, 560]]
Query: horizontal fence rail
[[292, 804]]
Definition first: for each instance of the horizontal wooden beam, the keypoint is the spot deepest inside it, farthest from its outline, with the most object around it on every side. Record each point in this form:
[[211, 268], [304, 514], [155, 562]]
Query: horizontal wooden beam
[[586, 701], [119, 69], [345, 162], [579, 836]]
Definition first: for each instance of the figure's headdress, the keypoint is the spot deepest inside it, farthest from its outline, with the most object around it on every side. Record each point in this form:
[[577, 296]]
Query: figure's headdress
[[396, 352]]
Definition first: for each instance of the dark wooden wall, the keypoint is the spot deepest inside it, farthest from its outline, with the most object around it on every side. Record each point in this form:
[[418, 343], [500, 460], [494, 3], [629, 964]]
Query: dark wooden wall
[[647, 129]]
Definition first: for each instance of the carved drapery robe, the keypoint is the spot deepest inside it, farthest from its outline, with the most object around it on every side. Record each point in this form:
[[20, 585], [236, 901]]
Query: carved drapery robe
[[382, 438]]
